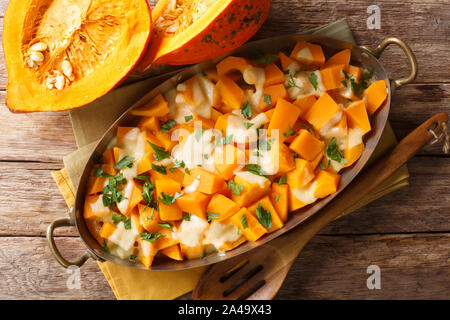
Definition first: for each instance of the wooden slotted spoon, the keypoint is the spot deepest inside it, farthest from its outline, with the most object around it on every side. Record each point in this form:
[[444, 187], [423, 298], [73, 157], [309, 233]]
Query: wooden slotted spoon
[[259, 274]]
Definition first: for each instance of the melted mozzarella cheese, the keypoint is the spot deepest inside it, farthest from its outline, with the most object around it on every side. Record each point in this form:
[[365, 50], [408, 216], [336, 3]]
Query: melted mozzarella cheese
[[355, 137], [218, 233], [124, 238], [190, 233], [193, 186], [306, 194], [99, 209], [123, 205], [198, 150], [236, 127], [132, 145], [253, 178]]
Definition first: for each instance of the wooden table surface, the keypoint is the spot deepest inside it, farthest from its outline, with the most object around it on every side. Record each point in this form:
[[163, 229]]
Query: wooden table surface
[[406, 233]]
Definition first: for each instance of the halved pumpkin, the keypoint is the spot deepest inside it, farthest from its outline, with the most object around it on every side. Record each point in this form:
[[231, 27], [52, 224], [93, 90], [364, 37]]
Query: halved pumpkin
[[191, 31], [63, 54]]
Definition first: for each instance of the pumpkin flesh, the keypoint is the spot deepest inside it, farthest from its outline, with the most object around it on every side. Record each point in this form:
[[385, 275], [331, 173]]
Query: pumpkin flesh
[[86, 49], [187, 31]]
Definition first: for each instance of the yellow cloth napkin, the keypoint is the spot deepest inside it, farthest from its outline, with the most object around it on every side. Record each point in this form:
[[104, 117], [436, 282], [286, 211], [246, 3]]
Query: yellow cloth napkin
[[90, 122]]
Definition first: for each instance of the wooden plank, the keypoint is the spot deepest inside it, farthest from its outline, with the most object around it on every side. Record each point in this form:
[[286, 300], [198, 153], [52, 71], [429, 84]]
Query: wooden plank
[[425, 30], [328, 268], [412, 267], [48, 136], [31, 201]]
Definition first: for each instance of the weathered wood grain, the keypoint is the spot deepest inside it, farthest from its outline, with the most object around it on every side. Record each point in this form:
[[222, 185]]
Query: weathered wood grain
[[423, 24], [48, 136], [412, 267], [30, 201], [330, 267]]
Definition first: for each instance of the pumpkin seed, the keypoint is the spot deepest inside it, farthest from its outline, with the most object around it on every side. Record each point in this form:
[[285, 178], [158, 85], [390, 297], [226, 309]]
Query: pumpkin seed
[[67, 69], [38, 47], [60, 81], [36, 56]]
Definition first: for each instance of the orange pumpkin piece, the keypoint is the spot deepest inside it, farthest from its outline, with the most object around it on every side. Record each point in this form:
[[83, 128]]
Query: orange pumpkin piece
[[96, 184], [273, 75], [269, 114], [375, 95], [173, 252], [255, 187], [353, 154], [287, 63], [332, 76], [195, 252], [133, 195], [107, 230], [223, 206], [63, 35], [231, 93], [341, 57], [274, 93], [301, 175], [252, 230], [326, 183], [150, 123], [283, 118], [357, 116], [279, 198], [149, 218], [147, 252], [157, 107], [168, 212], [93, 207], [305, 102], [301, 197], [315, 162], [282, 155], [222, 123], [166, 240], [210, 183], [323, 111], [266, 204], [227, 245], [215, 114], [145, 164], [177, 174], [227, 159], [308, 53], [195, 203], [354, 72], [307, 145], [231, 63], [109, 156], [191, 32]]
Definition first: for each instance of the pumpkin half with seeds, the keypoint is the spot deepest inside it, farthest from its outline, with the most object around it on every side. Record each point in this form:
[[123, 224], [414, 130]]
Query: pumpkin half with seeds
[[191, 31], [63, 54]]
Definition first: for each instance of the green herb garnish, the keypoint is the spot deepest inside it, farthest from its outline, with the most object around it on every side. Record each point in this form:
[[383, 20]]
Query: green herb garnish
[[124, 162], [264, 216], [160, 152], [161, 169], [151, 237], [289, 133], [166, 126], [244, 221], [105, 247], [177, 164], [212, 215], [313, 79], [276, 198], [334, 153], [268, 100], [221, 141], [169, 199], [166, 225], [247, 110], [187, 217], [256, 169], [282, 180], [235, 188], [198, 134], [188, 118], [118, 218], [248, 125]]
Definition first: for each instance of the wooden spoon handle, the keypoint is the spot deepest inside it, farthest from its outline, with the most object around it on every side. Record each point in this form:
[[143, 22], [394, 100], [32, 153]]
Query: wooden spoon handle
[[293, 242]]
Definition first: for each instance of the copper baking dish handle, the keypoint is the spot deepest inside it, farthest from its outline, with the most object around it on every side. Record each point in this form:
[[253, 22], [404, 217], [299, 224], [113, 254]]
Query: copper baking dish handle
[[67, 222], [377, 52]]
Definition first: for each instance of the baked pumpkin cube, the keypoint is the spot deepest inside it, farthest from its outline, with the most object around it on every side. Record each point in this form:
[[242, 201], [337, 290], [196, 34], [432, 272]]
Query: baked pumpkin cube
[[227, 159], [273, 75], [375, 95], [255, 187], [357, 116], [231, 63], [195, 203], [167, 188], [279, 197], [307, 145], [304, 102], [173, 252], [287, 63], [283, 118], [326, 183], [222, 205], [149, 218], [324, 113], [194, 252], [210, 183], [271, 95], [341, 57], [96, 184], [132, 195], [301, 175], [150, 123], [94, 208], [232, 95], [107, 230], [248, 224], [332, 76], [308, 53], [157, 107], [266, 204]]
